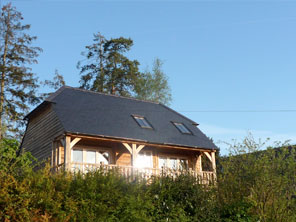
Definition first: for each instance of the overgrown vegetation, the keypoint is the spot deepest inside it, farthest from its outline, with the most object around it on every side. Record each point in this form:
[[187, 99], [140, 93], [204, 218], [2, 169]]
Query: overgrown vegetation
[[251, 187]]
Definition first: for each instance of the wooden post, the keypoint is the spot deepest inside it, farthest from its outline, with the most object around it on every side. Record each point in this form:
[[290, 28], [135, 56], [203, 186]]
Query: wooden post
[[214, 164], [52, 154], [134, 154], [58, 157], [67, 152], [199, 164], [134, 150]]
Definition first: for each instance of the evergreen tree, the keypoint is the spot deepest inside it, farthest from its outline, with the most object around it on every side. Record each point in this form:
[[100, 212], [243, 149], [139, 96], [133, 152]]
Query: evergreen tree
[[107, 69], [153, 86], [18, 83], [56, 83]]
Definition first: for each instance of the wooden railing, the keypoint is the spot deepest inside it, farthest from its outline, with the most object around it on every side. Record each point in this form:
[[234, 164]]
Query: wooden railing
[[130, 172]]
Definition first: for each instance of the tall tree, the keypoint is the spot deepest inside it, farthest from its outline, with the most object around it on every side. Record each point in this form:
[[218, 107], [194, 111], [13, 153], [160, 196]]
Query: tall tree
[[18, 83], [153, 85], [54, 84], [107, 69]]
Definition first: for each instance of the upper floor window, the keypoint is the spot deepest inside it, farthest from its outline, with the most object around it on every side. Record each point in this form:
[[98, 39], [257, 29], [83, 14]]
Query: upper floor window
[[142, 122], [182, 128]]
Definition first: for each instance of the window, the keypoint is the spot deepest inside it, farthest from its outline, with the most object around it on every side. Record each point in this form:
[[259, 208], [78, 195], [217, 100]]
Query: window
[[77, 156], [173, 163], [103, 157], [142, 122], [144, 159], [90, 157], [182, 128]]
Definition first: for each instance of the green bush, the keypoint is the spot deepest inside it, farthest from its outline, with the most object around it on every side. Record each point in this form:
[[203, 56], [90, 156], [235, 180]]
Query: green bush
[[260, 186]]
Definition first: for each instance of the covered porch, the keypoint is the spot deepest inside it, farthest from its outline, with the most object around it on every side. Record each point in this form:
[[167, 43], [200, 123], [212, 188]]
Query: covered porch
[[132, 158]]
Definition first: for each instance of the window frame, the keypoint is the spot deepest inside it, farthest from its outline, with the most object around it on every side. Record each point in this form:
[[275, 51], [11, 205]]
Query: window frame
[[177, 124], [142, 118], [84, 150], [176, 157]]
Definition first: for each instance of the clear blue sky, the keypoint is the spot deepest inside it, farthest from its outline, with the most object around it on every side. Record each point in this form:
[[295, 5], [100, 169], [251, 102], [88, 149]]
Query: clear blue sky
[[219, 55]]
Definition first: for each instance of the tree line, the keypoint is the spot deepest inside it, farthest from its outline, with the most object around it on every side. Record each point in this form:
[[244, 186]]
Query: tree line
[[106, 68]]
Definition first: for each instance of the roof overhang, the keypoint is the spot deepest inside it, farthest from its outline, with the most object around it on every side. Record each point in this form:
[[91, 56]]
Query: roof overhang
[[137, 141]]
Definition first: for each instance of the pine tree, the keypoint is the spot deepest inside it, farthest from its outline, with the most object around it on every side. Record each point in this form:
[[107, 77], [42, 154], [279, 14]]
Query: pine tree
[[18, 83], [107, 69], [54, 84]]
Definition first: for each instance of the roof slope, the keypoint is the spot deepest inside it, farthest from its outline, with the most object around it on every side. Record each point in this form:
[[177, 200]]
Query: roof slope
[[86, 112]]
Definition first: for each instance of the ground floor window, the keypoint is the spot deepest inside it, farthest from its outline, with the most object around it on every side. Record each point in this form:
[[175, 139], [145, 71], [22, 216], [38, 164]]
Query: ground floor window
[[144, 159], [90, 156], [173, 163]]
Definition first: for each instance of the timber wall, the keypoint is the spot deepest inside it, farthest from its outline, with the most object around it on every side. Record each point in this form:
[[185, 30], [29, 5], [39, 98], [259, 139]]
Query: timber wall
[[40, 133]]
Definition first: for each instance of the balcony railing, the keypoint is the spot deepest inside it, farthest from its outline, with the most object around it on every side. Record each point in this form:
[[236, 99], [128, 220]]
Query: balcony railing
[[130, 172]]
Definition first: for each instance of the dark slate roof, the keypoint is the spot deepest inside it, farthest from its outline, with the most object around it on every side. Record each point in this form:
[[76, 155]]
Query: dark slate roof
[[85, 112]]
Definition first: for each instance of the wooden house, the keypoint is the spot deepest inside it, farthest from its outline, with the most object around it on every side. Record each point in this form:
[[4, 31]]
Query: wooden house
[[83, 130]]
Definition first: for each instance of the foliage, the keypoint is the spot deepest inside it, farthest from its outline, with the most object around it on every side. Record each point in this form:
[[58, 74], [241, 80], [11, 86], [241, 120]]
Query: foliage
[[153, 86], [107, 69], [257, 186], [54, 84], [17, 83]]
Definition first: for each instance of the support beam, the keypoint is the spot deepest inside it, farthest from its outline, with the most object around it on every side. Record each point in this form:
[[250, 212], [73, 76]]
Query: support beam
[[198, 165], [134, 150], [209, 156], [134, 154], [57, 159], [52, 154], [140, 148], [67, 152], [213, 162], [76, 140], [128, 147]]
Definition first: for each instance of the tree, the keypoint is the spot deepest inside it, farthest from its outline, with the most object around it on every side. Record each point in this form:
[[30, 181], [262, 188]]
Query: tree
[[18, 83], [107, 69], [256, 184], [153, 86], [57, 82]]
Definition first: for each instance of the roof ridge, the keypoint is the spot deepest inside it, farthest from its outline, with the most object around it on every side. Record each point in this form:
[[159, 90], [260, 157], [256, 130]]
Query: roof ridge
[[53, 95], [105, 94]]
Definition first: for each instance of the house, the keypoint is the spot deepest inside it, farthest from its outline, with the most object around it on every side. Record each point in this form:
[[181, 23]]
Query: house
[[81, 130]]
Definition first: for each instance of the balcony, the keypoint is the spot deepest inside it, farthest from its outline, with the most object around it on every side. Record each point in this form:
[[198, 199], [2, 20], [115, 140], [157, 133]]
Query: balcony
[[131, 173]]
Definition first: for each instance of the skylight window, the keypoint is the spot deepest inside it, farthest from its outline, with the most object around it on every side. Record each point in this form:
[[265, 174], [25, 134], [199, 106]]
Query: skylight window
[[142, 122], [183, 129]]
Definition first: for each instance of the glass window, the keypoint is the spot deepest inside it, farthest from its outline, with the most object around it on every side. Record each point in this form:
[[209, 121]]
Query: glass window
[[173, 163], [183, 164], [162, 162], [144, 159], [103, 157], [77, 156], [142, 122], [182, 128], [90, 157]]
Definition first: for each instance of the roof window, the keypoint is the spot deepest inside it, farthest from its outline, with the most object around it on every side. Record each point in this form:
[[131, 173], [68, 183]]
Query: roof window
[[142, 122], [182, 128]]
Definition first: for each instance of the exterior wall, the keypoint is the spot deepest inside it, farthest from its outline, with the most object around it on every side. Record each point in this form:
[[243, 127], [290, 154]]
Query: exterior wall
[[40, 133]]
